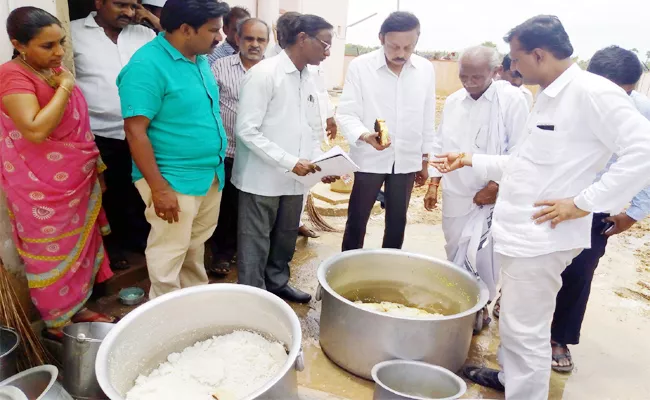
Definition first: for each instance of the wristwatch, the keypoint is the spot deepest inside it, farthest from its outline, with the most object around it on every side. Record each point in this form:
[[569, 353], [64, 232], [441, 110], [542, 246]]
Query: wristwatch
[[425, 158]]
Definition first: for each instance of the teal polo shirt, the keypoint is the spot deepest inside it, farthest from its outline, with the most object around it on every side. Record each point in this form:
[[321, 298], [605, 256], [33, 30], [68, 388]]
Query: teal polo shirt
[[181, 99]]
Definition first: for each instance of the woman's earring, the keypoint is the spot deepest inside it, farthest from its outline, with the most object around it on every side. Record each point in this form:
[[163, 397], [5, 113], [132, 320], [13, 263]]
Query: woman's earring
[[23, 56]]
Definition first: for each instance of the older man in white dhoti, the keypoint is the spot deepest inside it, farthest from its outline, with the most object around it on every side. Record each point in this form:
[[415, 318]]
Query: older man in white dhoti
[[485, 117]]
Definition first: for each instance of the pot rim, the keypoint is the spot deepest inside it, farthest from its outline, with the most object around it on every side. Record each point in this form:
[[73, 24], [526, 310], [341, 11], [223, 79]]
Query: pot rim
[[375, 370], [88, 339], [325, 266], [101, 368], [15, 346], [54, 373]]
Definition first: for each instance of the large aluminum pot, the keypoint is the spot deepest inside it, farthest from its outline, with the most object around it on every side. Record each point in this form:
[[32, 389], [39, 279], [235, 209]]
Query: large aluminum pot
[[9, 341], [170, 323], [415, 380], [357, 339], [39, 384]]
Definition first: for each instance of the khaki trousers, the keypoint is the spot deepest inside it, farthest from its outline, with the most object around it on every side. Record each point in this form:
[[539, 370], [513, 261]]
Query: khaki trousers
[[175, 251]]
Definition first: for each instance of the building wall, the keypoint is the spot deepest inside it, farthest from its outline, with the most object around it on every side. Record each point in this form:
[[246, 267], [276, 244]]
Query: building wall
[[644, 84]]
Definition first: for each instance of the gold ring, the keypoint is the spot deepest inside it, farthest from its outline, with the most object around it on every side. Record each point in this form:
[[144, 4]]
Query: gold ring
[[161, 214]]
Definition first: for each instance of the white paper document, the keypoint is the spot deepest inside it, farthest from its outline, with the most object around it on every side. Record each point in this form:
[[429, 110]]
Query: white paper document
[[335, 162]]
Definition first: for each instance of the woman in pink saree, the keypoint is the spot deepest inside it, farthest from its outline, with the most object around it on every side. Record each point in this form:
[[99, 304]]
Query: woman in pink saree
[[49, 172]]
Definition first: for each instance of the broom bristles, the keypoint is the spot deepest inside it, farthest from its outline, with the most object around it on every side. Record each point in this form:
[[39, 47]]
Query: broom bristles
[[317, 221], [31, 352]]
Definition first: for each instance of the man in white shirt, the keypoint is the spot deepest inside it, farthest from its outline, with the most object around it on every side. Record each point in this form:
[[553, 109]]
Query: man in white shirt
[[252, 39], [548, 190], [624, 68], [278, 126], [326, 108], [397, 86], [485, 117], [229, 46], [507, 74], [103, 43]]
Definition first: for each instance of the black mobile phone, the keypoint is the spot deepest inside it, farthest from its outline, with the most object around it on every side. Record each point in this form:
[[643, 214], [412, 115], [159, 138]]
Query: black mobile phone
[[608, 225]]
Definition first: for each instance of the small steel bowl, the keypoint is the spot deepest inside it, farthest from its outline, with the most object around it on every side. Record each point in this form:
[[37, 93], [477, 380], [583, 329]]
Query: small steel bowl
[[132, 296]]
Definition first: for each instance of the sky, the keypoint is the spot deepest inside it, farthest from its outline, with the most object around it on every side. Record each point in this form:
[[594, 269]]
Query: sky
[[457, 24]]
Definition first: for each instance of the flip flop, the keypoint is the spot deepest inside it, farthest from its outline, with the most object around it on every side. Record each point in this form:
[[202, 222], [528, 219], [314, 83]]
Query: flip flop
[[95, 317], [308, 233], [219, 268], [565, 369], [497, 308], [486, 377], [118, 261]]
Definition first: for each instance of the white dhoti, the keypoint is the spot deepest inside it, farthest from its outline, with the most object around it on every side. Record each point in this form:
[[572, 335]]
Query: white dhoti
[[469, 244], [530, 287]]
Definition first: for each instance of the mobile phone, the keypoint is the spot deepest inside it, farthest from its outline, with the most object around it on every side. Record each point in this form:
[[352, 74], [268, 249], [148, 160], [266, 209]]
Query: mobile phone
[[608, 226]]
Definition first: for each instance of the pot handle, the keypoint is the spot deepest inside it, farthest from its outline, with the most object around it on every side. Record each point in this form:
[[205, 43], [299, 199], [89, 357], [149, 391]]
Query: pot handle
[[319, 293], [300, 361]]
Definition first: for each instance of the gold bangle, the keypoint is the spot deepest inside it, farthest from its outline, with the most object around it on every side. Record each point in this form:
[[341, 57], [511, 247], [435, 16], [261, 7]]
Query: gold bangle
[[66, 89], [461, 156], [434, 184]]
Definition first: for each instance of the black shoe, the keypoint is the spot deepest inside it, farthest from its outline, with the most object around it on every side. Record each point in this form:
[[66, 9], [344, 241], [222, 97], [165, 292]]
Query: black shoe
[[485, 377], [292, 294]]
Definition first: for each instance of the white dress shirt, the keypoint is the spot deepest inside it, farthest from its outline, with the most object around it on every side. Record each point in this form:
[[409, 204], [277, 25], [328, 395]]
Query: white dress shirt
[[493, 124], [278, 123], [591, 119], [529, 96], [98, 61], [406, 102]]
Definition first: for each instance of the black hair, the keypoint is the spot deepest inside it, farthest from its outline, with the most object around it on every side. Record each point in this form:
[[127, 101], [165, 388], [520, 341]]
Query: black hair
[[543, 32], [400, 21], [506, 63], [307, 23], [242, 24], [194, 13], [283, 26], [236, 13], [620, 66], [25, 23]]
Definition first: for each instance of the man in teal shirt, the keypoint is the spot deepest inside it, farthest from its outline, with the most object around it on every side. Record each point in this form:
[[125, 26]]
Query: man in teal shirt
[[170, 105]]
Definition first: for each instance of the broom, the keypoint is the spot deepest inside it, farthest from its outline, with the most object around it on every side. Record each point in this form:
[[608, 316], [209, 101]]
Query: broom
[[31, 352], [317, 221]]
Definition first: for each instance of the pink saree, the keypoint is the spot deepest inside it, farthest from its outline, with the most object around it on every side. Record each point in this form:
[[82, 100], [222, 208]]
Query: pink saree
[[55, 201]]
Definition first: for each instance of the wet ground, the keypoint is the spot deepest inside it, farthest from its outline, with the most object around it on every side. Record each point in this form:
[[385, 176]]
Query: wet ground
[[611, 361]]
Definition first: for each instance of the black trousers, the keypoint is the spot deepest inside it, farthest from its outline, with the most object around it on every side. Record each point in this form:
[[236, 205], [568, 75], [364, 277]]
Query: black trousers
[[122, 202], [267, 233], [223, 242], [576, 286], [398, 188]]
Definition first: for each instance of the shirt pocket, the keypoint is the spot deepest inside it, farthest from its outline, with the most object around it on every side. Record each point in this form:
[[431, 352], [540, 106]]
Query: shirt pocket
[[544, 147]]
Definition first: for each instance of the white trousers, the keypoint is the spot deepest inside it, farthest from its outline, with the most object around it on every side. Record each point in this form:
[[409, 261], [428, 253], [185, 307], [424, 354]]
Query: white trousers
[[530, 287], [486, 266]]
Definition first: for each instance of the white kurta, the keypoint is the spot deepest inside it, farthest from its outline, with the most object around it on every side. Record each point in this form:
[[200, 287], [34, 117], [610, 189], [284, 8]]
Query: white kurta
[[576, 124], [493, 124]]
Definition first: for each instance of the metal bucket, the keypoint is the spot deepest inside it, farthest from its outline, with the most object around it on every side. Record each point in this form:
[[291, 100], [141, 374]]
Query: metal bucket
[[81, 343], [39, 384], [357, 339], [170, 323], [414, 380], [9, 341]]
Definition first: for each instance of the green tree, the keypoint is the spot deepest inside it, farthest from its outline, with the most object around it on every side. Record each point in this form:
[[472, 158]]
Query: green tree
[[489, 44], [635, 50]]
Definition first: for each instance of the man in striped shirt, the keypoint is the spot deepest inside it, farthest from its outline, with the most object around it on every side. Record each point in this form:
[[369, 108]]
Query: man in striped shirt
[[230, 45], [252, 38]]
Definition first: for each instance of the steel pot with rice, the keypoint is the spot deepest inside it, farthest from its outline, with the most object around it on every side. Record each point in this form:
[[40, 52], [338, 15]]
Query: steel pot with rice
[[357, 338], [196, 319]]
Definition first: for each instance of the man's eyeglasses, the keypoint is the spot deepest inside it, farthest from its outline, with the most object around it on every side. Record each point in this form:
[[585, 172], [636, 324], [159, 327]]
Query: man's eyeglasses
[[326, 46]]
